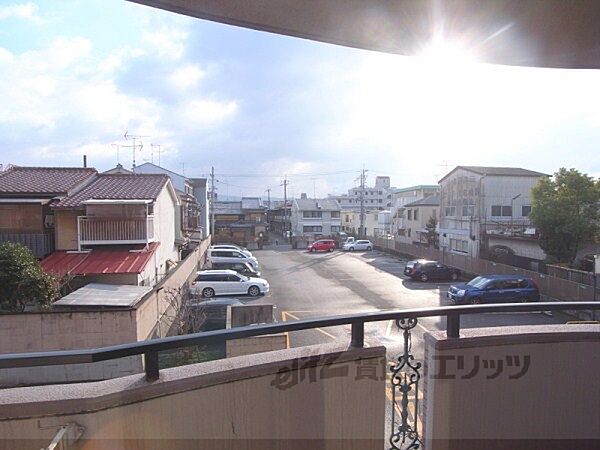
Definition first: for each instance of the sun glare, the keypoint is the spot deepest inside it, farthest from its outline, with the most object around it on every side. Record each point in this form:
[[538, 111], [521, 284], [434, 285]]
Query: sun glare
[[446, 53]]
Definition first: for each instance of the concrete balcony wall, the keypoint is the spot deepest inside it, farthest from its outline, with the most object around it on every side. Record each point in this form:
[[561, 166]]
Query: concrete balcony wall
[[522, 388], [309, 397]]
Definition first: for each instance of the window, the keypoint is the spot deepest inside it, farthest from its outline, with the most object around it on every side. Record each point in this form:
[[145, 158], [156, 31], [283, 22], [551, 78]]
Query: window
[[410, 214], [335, 214], [506, 211], [416, 214], [525, 210], [468, 210], [380, 200], [312, 229], [309, 214], [233, 278], [496, 211], [335, 229], [450, 211]]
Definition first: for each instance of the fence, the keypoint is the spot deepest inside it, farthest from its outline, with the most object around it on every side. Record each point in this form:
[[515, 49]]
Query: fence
[[550, 286], [577, 276], [40, 244]]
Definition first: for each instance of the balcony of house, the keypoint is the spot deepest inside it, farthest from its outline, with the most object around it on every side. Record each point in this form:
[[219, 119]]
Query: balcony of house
[[113, 222], [455, 388]]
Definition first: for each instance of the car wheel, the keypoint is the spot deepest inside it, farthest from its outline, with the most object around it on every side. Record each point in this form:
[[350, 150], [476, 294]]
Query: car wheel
[[351, 249], [253, 291], [369, 249], [424, 277], [208, 292], [475, 301], [454, 276], [312, 250], [330, 249]]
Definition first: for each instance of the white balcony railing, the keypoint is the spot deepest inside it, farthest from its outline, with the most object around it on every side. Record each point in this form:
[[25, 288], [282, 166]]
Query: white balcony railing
[[97, 230]]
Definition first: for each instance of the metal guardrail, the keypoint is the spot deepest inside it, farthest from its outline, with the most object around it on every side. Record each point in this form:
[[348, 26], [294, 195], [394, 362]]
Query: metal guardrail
[[405, 373]]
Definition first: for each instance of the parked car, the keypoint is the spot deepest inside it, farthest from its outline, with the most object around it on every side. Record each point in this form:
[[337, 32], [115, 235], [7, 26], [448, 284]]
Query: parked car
[[229, 256], [424, 270], [240, 267], [358, 245], [209, 283], [244, 250], [495, 289], [322, 245]]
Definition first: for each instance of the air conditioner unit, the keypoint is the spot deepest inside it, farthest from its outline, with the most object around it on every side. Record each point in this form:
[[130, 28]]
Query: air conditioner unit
[[49, 221]]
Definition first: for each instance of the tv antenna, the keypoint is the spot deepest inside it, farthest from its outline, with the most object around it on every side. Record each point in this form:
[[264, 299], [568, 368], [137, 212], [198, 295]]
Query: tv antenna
[[152, 146], [134, 146]]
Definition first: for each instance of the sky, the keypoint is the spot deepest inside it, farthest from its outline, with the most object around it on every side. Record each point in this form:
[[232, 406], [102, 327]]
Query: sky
[[76, 75]]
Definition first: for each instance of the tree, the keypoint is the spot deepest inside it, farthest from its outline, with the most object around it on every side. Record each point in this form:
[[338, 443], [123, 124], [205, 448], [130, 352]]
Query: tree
[[432, 236], [23, 282], [565, 212]]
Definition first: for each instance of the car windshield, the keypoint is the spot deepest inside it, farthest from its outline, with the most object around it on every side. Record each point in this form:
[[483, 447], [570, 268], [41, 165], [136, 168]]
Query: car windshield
[[478, 282], [243, 277]]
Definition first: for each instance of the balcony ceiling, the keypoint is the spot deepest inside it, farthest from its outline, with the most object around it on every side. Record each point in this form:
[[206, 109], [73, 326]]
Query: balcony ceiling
[[539, 33]]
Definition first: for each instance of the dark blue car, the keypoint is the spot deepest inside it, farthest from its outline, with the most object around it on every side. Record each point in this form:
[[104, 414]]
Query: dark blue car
[[495, 289]]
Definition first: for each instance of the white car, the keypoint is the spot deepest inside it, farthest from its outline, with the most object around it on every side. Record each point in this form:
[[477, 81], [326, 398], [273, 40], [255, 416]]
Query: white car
[[358, 245], [209, 283], [216, 255], [245, 251]]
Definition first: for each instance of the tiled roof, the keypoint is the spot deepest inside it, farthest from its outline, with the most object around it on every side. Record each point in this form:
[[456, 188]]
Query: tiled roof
[[117, 187], [251, 203], [322, 204], [498, 171], [432, 200], [42, 180], [228, 208], [98, 261]]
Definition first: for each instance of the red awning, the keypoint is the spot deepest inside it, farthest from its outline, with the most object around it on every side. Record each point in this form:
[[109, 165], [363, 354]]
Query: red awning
[[99, 261]]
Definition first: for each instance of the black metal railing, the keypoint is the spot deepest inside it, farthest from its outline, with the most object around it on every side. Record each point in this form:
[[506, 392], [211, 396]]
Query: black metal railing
[[405, 372]]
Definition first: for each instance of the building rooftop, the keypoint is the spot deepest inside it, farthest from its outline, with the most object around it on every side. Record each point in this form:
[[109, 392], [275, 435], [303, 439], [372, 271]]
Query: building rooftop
[[99, 294], [228, 208], [116, 187], [498, 171], [415, 188], [43, 180], [432, 200], [311, 204], [251, 203]]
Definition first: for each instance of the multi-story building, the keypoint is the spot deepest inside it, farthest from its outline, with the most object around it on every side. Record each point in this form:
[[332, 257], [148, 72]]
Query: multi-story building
[[192, 198], [377, 197], [118, 229], [351, 223], [479, 201], [407, 195], [26, 196], [315, 217], [416, 215], [241, 222]]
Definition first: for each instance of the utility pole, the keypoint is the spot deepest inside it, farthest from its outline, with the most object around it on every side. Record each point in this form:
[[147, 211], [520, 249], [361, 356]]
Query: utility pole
[[285, 183], [212, 200], [361, 230], [268, 191]]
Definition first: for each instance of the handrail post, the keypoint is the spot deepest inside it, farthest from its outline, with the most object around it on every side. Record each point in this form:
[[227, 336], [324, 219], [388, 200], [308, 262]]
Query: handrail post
[[151, 365], [453, 325], [358, 335]]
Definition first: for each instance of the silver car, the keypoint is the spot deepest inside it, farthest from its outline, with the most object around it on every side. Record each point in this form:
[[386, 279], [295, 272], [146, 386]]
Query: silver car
[[228, 256], [209, 283], [358, 245], [245, 251]]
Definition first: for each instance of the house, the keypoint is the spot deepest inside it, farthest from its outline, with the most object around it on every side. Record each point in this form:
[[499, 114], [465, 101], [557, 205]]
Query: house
[[477, 202], [26, 196], [118, 229], [315, 217], [378, 197], [351, 223], [241, 222], [416, 215], [279, 216], [406, 195], [193, 213]]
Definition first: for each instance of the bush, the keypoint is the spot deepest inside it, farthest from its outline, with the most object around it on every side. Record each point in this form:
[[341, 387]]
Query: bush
[[23, 282]]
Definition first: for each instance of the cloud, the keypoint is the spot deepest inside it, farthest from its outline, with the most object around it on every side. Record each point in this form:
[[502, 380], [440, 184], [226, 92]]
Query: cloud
[[187, 76], [27, 11], [166, 42], [208, 112]]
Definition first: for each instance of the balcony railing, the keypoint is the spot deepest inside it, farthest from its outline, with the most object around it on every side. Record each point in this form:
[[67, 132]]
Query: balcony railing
[[96, 230], [40, 244], [405, 373]]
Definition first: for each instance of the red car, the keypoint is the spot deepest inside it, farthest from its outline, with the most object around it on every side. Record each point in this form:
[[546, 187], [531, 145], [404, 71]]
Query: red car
[[324, 245]]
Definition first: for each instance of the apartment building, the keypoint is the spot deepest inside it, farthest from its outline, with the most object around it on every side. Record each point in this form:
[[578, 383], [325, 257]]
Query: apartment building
[[315, 217], [406, 195], [377, 197], [476, 202], [26, 196], [351, 223]]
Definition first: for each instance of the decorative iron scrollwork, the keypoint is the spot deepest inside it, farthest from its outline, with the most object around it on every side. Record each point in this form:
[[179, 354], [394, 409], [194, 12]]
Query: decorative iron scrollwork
[[405, 380]]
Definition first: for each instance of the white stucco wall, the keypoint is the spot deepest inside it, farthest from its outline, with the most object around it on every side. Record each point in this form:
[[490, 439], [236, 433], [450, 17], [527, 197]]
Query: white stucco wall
[[165, 229]]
